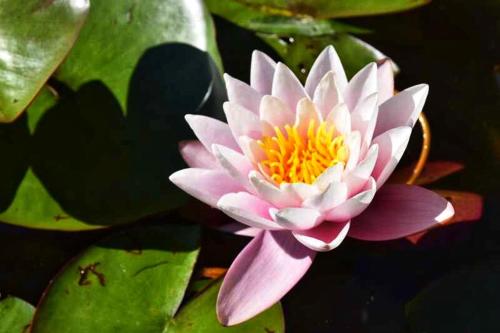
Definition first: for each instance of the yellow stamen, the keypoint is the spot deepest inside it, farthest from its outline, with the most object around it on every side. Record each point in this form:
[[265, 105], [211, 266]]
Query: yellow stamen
[[292, 158]]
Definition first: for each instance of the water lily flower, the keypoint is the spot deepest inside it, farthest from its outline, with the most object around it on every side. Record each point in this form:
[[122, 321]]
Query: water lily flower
[[302, 167]]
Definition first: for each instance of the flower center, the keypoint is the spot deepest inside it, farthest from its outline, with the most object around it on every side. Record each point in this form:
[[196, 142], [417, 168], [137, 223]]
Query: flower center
[[295, 158]]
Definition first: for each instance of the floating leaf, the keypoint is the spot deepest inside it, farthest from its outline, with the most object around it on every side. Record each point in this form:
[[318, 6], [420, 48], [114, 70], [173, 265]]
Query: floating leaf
[[328, 8], [35, 36], [134, 281], [96, 150], [299, 52], [251, 18], [15, 315]]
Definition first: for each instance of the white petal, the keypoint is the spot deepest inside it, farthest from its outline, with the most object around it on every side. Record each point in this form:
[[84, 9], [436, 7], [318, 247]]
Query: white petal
[[275, 112], [262, 72], [328, 60], [363, 84], [327, 95], [297, 218], [241, 93], [242, 121], [287, 87]]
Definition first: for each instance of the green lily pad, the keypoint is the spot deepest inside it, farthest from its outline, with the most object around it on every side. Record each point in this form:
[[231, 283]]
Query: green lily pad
[[299, 52], [135, 281], [15, 315], [35, 36], [261, 21], [329, 8], [96, 149]]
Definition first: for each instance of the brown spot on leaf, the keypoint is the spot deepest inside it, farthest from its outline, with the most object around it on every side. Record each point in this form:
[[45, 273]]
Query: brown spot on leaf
[[84, 274], [60, 217], [268, 330]]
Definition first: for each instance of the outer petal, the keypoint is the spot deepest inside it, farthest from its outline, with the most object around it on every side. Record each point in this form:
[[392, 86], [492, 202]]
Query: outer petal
[[236, 164], [400, 210], [324, 237], [241, 93], [287, 87], [239, 229], [362, 85], [262, 72], [205, 185], [328, 60], [354, 206], [402, 109], [210, 131], [196, 156], [275, 112], [385, 81], [392, 145], [267, 268], [298, 218], [248, 209], [327, 95], [242, 121]]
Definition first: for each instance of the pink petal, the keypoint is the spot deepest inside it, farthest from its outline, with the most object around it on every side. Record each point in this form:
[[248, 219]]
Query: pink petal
[[239, 229], [385, 81], [300, 190], [236, 164], [353, 143], [275, 112], [362, 85], [400, 210], [392, 145], [306, 111], [272, 194], [364, 120], [251, 149], [402, 109], [196, 156], [297, 218], [334, 195], [340, 117], [327, 95], [241, 93], [242, 121], [210, 131], [262, 72], [327, 61], [287, 87], [248, 209], [330, 175], [357, 178], [205, 185], [324, 237], [267, 268], [353, 206]]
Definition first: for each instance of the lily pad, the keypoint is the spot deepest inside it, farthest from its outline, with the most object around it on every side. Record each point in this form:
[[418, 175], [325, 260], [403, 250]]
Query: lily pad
[[96, 149], [16, 315], [299, 52], [329, 8], [135, 281], [35, 36]]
